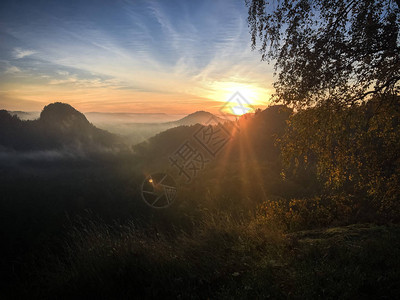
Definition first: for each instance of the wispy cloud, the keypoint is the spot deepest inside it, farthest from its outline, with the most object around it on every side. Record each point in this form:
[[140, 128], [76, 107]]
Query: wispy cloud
[[21, 53], [12, 70], [133, 49]]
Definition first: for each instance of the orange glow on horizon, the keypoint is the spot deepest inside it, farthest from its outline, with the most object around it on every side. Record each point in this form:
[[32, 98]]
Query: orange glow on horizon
[[210, 98]]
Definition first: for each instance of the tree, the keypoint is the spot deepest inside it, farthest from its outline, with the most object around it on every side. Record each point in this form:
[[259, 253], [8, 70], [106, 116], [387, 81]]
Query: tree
[[353, 151], [329, 50]]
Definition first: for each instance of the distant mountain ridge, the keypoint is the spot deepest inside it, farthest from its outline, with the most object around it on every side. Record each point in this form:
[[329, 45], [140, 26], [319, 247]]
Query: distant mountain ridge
[[140, 132], [25, 115], [256, 138], [103, 118], [200, 117], [60, 126], [136, 128]]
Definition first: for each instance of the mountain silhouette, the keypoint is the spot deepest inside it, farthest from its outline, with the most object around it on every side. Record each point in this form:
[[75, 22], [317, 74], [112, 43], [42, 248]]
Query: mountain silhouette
[[60, 126], [258, 132], [200, 117], [62, 115], [139, 132]]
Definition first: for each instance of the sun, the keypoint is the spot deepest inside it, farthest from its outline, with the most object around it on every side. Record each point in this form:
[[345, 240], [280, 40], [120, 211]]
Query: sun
[[252, 97], [240, 110]]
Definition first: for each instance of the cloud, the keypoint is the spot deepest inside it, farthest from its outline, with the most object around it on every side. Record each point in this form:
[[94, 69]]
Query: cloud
[[12, 70], [21, 53], [143, 50], [62, 73]]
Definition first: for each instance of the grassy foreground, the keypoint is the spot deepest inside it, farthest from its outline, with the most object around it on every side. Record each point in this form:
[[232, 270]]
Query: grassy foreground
[[220, 259]]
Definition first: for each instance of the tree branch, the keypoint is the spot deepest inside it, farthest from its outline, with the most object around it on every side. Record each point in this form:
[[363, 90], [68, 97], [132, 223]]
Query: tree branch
[[388, 83]]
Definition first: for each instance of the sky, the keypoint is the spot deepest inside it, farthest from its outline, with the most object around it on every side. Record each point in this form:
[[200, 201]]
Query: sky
[[129, 56]]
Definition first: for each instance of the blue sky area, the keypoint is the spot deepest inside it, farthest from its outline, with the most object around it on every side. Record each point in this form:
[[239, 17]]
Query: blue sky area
[[128, 56]]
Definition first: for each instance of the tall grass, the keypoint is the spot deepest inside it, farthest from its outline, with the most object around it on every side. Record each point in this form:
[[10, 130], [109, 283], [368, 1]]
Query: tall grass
[[222, 257]]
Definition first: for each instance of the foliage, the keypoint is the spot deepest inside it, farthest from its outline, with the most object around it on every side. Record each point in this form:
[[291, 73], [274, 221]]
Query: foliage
[[78, 226], [223, 258], [324, 51], [352, 151]]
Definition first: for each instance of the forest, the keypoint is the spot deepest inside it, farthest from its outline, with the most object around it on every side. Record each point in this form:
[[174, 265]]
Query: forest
[[299, 200], [292, 197]]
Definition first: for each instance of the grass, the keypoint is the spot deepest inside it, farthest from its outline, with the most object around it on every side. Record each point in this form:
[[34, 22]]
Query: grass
[[222, 258]]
